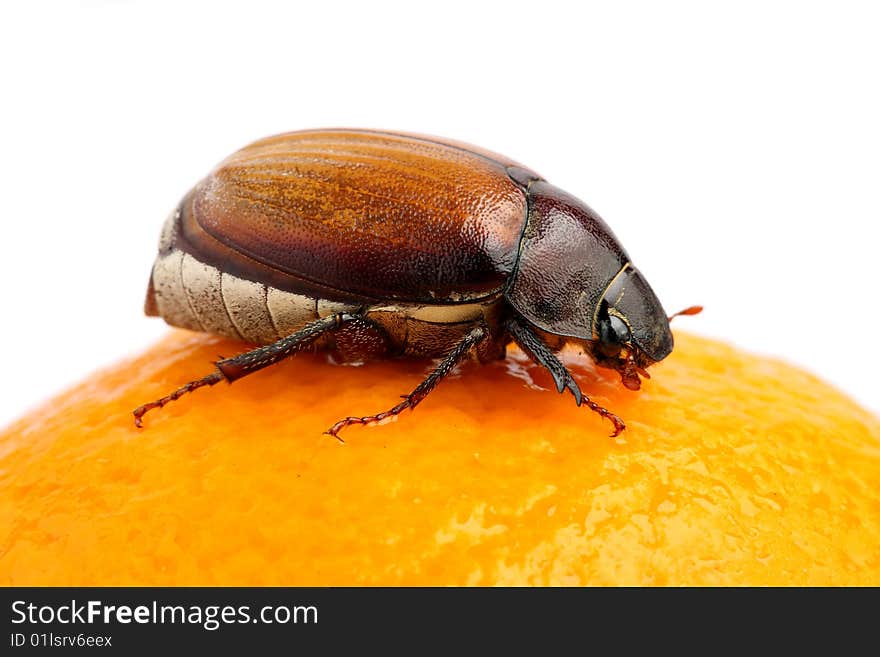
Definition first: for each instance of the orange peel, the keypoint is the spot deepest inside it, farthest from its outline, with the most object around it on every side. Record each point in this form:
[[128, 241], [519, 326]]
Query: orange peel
[[734, 470]]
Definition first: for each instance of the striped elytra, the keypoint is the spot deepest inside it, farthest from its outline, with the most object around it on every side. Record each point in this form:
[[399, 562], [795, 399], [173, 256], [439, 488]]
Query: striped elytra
[[363, 215]]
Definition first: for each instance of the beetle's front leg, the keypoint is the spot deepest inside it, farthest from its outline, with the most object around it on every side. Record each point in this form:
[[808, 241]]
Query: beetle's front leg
[[474, 337], [535, 348], [232, 369]]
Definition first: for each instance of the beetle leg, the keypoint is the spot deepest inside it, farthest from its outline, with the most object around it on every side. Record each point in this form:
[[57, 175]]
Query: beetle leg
[[232, 369], [541, 354], [453, 358], [535, 348]]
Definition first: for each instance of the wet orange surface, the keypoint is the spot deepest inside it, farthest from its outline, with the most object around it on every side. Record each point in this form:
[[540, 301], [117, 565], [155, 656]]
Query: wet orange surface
[[733, 470]]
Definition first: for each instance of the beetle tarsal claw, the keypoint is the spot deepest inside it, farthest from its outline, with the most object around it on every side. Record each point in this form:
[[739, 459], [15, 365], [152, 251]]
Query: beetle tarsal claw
[[330, 432], [619, 424]]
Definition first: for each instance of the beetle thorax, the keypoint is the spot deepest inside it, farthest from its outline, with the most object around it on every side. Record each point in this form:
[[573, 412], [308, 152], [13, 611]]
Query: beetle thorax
[[568, 256]]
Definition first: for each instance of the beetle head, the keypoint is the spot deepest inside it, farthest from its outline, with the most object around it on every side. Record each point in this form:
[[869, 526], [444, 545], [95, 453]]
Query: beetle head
[[630, 328], [574, 280]]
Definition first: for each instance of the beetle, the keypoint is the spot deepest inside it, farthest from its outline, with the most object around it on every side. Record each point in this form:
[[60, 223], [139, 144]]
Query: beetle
[[382, 244]]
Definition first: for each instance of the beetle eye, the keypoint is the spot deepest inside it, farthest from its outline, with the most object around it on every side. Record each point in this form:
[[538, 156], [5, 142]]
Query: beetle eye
[[613, 334]]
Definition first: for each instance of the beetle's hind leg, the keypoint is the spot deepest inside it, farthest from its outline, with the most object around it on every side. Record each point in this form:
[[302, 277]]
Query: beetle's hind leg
[[453, 358], [535, 348], [232, 369]]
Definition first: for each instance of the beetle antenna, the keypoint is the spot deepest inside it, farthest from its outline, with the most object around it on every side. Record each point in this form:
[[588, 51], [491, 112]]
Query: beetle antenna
[[692, 310]]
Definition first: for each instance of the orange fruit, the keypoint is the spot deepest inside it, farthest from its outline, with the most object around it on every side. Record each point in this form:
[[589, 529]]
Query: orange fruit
[[734, 469]]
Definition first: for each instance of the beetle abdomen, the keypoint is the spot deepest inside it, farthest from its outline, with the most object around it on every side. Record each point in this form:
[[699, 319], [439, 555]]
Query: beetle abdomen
[[369, 215], [191, 294]]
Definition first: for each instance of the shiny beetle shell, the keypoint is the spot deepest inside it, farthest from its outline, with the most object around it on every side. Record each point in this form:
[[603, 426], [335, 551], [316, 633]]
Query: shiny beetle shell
[[415, 245]]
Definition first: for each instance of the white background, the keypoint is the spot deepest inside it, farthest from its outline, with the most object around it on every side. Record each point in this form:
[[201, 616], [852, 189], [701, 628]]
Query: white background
[[733, 147]]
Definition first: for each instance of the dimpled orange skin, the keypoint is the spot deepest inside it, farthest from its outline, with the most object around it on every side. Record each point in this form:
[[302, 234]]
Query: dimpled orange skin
[[734, 470]]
